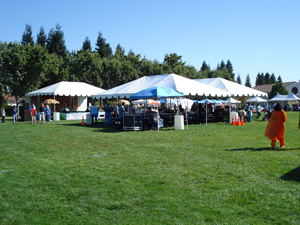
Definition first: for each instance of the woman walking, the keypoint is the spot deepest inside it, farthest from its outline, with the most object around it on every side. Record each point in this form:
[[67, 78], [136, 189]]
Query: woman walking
[[276, 126]]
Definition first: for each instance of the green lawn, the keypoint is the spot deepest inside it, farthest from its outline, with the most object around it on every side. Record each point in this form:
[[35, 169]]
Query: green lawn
[[64, 173]]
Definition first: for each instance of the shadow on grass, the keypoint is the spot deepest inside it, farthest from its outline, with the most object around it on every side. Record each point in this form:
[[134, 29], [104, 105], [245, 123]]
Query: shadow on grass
[[100, 127], [261, 149], [293, 175]]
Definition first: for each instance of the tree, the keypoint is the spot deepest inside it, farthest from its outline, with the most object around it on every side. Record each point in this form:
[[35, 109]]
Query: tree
[[267, 78], [279, 79], [173, 60], [86, 46], [120, 52], [41, 38], [56, 41], [273, 79], [204, 66], [248, 83], [238, 79], [27, 36], [86, 66], [221, 66], [278, 88], [103, 48], [22, 65], [260, 79], [229, 67]]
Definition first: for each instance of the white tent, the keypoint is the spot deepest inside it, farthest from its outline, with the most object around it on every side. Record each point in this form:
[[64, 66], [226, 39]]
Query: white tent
[[174, 81], [285, 98], [235, 89], [256, 99], [64, 88], [292, 97], [231, 100]]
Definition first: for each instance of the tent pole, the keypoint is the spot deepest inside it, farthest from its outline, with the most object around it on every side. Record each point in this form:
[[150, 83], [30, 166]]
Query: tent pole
[[206, 112], [157, 115], [186, 115], [54, 104]]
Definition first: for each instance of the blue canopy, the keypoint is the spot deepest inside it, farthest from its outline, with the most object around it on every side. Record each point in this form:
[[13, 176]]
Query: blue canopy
[[156, 92]]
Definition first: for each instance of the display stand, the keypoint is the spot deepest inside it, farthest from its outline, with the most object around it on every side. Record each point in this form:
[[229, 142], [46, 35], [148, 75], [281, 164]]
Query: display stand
[[132, 122]]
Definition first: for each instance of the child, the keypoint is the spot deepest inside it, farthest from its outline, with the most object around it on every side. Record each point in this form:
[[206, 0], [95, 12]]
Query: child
[[33, 115], [3, 115], [38, 115]]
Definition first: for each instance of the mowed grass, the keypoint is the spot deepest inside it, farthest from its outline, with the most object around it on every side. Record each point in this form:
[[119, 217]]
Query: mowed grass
[[64, 173]]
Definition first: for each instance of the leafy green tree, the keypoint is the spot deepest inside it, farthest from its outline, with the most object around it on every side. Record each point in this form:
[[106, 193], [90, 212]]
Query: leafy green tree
[[278, 88], [86, 66], [103, 48], [260, 79], [41, 38], [4, 75], [173, 60], [279, 79], [27, 36], [22, 66], [238, 79], [120, 52], [56, 41], [86, 46], [248, 83], [221, 66]]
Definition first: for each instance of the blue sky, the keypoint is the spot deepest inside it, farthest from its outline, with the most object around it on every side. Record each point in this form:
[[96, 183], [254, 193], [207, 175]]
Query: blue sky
[[256, 36]]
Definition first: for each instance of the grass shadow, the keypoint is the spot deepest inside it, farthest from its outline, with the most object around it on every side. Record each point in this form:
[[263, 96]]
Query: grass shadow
[[260, 149], [293, 175]]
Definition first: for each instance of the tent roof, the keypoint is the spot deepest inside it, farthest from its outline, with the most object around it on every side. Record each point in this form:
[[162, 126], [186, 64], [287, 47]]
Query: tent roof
[[231, 100], [256, 99], [65, 88], [285, 98], [235, 89], [174, 81], [156, 92]]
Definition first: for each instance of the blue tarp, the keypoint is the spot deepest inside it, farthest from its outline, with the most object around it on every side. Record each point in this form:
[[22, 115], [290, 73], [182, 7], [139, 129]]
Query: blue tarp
[[156, 92]]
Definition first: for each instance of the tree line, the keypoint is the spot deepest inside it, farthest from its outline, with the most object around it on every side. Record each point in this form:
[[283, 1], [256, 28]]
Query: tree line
[[29, 65]]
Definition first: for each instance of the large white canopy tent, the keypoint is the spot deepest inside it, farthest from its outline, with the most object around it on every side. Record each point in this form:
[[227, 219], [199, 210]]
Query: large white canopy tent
[[233, 88], [285, 98], [64, 88], [256, 99], [174, 81]]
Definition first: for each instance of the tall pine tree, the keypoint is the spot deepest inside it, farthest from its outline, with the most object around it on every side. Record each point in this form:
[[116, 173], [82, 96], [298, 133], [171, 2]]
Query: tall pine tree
[[248, 83], [103, 48], [238, 79], [86, 46], [56, 41], [27, 36], [41, 37]]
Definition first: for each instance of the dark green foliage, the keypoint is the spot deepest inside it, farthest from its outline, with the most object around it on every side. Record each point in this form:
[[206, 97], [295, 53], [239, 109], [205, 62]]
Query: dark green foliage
[[229, 67], [262, 79], [279, 79], [41, 38], [248, 83], [86, 46], [278, 88], [173, 60], [273, 79], [27, 36], [56, 41], [103, 48], [204, 66], [238, 79]]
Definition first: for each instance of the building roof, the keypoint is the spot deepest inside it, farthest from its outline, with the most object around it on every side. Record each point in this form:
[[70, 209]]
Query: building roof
[[268, 87]]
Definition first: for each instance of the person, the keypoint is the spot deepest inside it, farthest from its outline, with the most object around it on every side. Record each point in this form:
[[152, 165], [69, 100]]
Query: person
[[107, 110], [15, 114], [3, 115], [250, 113], [42, 113], [33, 114], [115, 111], [276, 126], [38, 116], [94, 113], [47, 113], [122, 111], [258, 108]]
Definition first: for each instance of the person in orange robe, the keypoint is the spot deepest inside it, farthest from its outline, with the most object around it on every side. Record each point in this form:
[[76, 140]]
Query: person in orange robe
[[276, 126]]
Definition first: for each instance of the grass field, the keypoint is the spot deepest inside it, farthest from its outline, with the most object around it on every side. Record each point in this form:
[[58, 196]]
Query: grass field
[[64, 173]]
